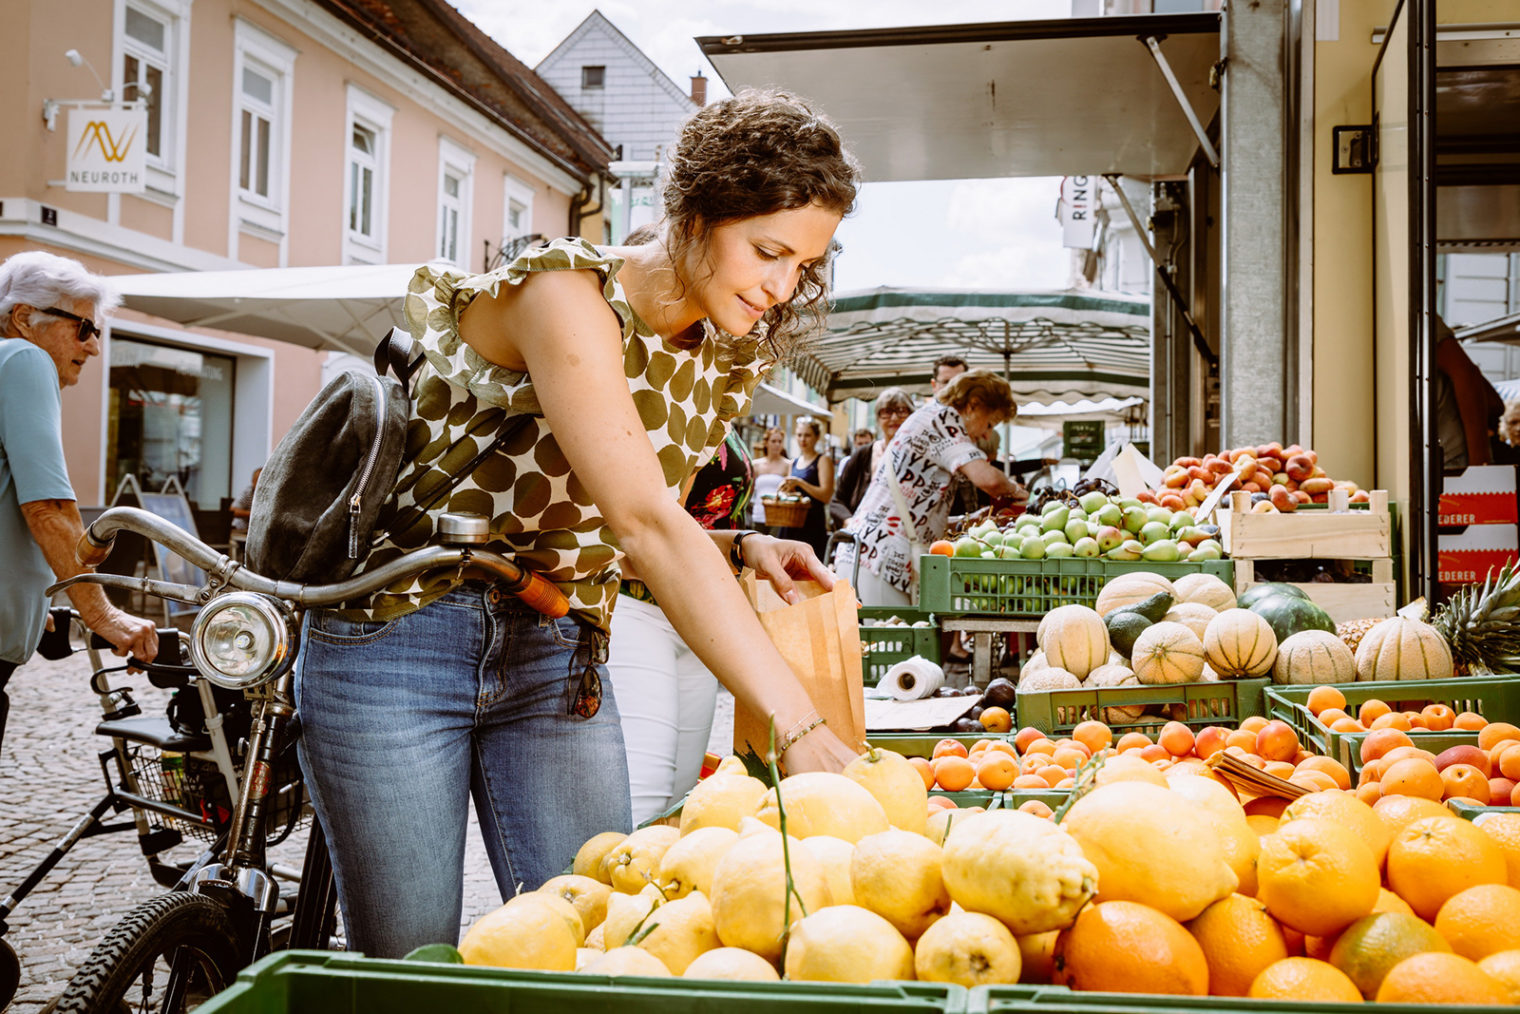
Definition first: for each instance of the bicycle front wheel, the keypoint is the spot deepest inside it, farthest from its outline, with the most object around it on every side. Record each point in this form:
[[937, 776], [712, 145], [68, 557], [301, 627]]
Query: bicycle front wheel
[[130, 969]]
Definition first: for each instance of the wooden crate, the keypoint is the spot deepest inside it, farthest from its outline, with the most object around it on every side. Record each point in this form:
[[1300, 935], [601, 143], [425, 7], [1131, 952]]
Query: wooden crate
[[1342, 601], [1311, 534]]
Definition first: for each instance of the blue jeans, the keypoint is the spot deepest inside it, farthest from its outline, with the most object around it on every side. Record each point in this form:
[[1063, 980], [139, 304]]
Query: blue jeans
[[402, 721]]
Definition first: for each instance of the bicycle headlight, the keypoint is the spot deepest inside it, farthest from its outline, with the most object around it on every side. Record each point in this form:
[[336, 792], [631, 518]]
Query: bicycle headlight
[[241, 640]]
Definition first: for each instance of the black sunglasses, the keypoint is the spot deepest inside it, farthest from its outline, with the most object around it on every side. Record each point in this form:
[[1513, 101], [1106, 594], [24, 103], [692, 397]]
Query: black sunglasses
[[87, 328]]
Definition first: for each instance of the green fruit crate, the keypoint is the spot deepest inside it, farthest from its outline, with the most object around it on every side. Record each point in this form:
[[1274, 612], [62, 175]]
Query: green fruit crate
[[885, 646], [1196, 705], [1060, 1000], [967, 586], [1496, 698], [1468, 811], [921, 744], [318, 981]]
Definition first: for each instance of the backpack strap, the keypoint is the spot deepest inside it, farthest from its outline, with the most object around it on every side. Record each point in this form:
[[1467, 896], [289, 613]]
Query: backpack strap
[[398, 354]]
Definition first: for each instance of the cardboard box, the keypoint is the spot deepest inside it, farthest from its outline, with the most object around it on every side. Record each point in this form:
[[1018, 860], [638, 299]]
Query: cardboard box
[[1481, 495], [1467, 557]]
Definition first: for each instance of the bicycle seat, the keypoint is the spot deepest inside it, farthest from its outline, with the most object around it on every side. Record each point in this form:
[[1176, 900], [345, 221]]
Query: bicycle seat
[[154, 730]]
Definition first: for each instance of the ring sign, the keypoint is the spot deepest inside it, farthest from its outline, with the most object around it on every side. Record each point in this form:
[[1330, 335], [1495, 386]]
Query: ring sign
[[108, 150]]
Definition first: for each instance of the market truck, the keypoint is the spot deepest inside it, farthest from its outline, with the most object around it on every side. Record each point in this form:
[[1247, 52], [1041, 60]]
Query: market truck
[[1294, 166]]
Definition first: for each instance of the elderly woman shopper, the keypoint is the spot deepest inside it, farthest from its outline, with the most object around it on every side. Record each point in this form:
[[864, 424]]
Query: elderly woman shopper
[[892, 407], [937, 442]]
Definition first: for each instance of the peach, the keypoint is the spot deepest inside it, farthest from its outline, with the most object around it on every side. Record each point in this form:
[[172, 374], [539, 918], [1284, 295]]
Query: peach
[[1466, 780], [1209, 741], [1465, 754], [1277, 741]]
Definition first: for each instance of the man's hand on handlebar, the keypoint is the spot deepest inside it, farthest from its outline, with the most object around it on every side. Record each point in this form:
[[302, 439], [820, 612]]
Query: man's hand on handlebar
[[128, 634]]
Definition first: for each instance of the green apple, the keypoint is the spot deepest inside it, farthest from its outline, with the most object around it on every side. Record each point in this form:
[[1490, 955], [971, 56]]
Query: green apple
[[1059, 550], [1093, 500], [1109, 514], [1032, 549], [1086, 547], [1162, 551], [1153, 531], [1135, 518]]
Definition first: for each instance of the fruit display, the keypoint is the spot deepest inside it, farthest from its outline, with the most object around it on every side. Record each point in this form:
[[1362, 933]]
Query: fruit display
[[1158, 877], [1093, 525], [1481, 624], [1278, 479]]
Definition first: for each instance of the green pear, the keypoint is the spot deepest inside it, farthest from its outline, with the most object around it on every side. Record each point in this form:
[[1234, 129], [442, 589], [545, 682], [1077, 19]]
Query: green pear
[[1162, 551], [1059, 550], [1076, 528], [1204, 552], [1093, 501], [1153, 531], [1161, 514], [1135, 518], [1055, 520], [1032, 549], [1052, 537], [1085, 547], [1110, 514], [966, 546]]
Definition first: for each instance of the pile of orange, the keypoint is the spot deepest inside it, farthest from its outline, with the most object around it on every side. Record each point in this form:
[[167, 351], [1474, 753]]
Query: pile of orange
[[988, 764], [1393, 763]]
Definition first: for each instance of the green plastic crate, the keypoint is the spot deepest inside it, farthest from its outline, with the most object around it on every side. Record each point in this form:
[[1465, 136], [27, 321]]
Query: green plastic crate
[[1223, 703], [1060, 1000], [1467, 811], [1496, 698], [966, 586], [884, 647], [318, 981], [921, 744]]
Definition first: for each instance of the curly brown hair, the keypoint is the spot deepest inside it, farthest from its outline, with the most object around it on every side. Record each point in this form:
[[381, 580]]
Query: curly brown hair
[[758, 153], [980, 387]]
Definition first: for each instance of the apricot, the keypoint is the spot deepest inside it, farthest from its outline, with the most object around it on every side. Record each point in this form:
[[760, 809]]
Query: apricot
[[924, 769], [1277, 741], [1469, 721], [1438, 717], [1040, 746], [1154, 752], [1266, 806], [1133, 741], [1317, 781], [1348, 725], [1330, 716], [1025, 736], [1371, 709], [1500, 789], [1465, 753], [1329, 766], [1177, 739], [1280, 769], [1371, 771], [1053, 774], [1254, 723], [1068, 758], [1209, 741], [1496, 732], [996, 770], [1380, 741], [1509, 764], [1246, 741], [1415, 720], [1030, 782], [953, 772], [1369, 793], [1398, 753], [1413, 776], [950, 748], [1466, 780], [1035, 807], [1392, 720], [1093, 735]]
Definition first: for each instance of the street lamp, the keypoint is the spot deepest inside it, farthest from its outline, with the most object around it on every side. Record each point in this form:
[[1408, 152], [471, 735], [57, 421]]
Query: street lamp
[[50, 107]]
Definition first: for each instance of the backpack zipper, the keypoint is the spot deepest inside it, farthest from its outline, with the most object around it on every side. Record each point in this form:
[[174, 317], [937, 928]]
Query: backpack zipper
[[356, 502]]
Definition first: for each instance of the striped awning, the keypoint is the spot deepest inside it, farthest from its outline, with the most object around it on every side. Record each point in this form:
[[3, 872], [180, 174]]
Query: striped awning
[[1052, 346]]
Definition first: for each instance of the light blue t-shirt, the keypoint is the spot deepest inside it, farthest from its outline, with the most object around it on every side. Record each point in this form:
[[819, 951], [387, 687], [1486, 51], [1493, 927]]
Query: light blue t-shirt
[[31, 468]]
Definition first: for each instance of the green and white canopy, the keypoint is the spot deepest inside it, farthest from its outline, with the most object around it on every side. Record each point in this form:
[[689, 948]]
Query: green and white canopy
[[1052, 346]]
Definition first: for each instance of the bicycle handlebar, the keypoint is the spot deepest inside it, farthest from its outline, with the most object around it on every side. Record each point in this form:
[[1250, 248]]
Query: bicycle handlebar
[[95, 545]]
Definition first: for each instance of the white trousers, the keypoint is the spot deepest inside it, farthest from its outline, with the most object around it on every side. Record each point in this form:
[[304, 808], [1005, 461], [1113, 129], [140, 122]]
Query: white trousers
[[665, 696], [873, 591]]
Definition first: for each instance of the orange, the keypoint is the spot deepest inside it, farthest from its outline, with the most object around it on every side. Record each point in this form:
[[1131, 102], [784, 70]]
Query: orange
[[949, 748], [1372, 945], [1399, 811], [953, 773], [1505, 967], [1434, 977], [1496, 732], [1434, 858], [1304, 980], [1093, 735], [1322, 697], [996, 719], [1438, 717], [1316, 875], [1371, 710], [1504, 829], [1349, 812], [1334, 768], [1239, 940], [1469, 721], [996, 770], [925, 770], [1380, 741], [1481, 920], [1466, 781], [1413, 776], [1126, 947], [1132, 741]]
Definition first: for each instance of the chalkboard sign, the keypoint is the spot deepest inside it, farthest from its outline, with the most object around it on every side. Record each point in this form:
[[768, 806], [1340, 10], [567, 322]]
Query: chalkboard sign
[[1083, 439]]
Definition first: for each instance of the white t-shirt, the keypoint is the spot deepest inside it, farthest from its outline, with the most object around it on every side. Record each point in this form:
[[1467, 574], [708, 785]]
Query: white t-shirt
[[924, 456]]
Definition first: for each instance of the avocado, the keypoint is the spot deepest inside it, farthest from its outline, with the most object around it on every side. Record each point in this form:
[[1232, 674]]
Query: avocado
[[1125, 626], [1153, 608]]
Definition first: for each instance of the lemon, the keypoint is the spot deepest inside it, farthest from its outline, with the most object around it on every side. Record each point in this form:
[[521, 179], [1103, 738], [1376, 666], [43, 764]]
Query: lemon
[[587, 895], [897, 875], [688, 865], [632, 862], [721, 800], [749, 897], [1237, 840], [835, 854], [560, 907], [896, 784], [819, 802], [679, 931], [847, 943], [941, 821], [1026, 872], [732, 963], [588, 861], [627, 961], [521, 936], [968, 949], [595, 940], [584, 956], [625, 913]]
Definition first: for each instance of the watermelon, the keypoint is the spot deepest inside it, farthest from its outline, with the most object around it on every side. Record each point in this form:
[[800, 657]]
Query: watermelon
[[1261, 591], [1289, 615]]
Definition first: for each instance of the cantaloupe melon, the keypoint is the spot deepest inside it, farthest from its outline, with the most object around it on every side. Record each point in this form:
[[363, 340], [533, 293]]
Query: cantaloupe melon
[[1193, 615], [1112, 676], [1128, 589], [1312, 657], [1403, 649], [1167, 653], [1239, 643], [1206, 589], [1074, 638]]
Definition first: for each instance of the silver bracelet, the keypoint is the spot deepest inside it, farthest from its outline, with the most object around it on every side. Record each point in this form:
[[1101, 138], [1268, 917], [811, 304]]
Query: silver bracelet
[[809, 722]]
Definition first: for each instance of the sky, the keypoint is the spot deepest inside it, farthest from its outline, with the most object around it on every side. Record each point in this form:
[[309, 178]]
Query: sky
[[1001, 233]]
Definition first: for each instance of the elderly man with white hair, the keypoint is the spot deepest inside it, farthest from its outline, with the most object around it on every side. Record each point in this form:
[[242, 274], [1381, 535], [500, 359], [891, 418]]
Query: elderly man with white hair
[[50, 309]]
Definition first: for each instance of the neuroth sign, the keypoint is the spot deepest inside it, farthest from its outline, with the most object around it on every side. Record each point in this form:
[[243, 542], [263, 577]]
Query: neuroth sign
[[107, 150]]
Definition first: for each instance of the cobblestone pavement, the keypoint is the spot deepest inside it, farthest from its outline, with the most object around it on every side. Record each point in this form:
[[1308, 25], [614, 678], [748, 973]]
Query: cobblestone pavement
[[50, 775]]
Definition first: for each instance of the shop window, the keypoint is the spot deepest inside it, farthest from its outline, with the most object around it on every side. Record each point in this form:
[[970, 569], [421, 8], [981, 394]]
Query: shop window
[[170, 415], [365, 184]]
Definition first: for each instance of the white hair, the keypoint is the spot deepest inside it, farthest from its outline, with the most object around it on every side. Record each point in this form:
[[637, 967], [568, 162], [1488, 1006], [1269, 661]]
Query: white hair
[[40, 280]]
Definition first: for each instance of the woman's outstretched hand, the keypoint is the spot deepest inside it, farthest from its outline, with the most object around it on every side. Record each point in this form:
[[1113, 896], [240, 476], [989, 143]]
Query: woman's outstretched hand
[[819, 750], [779, 561]]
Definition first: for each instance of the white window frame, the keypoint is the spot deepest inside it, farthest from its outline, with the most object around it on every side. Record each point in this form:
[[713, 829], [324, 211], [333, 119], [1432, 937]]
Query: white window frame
[[166, 169], [266, 217], [369, 112], [457, 161], [514, 189]]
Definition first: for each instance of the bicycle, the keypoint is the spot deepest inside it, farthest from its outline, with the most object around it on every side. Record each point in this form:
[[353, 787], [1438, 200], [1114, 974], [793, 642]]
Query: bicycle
[[185, 946]]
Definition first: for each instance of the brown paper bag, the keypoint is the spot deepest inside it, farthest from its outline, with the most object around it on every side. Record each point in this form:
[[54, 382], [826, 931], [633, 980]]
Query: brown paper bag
[[819, 638]]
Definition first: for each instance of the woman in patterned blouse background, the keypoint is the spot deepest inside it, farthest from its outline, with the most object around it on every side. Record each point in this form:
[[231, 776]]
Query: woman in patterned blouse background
[[624, 368]]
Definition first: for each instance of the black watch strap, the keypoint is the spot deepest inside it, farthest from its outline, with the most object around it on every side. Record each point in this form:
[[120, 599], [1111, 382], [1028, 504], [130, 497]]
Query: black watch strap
[[736, 554]]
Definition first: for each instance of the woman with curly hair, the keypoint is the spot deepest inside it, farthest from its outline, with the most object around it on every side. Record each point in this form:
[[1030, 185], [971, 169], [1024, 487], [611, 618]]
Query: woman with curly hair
[[620, 371]]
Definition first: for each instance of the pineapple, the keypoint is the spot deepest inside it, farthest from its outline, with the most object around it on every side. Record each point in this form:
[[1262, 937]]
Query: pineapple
[[1482, 624], [1352, 631]]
